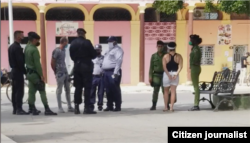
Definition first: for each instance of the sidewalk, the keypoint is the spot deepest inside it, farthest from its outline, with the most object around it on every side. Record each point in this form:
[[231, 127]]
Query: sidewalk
[[5, 139], [146, 89], [149, 89]]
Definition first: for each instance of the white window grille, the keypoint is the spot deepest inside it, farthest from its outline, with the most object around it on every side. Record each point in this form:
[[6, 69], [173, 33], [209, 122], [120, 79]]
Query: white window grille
[[199, 14], [207, 57]]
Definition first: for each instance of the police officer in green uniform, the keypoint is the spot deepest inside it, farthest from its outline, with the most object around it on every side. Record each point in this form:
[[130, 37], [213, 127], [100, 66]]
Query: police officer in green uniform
[[35, 75], [195, 66], [156, 72]]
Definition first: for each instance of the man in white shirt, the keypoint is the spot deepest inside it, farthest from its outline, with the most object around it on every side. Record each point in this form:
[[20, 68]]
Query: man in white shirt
[[112, 74], [97, 81]]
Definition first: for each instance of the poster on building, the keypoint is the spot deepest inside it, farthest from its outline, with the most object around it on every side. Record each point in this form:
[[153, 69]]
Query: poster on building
[[225, 34], [66, 28]]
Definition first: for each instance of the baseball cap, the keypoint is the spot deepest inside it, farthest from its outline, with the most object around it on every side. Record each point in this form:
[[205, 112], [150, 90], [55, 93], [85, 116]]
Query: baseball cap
[[98, 46], [81, 30], [112, 39], [33, 35], [171, 45]]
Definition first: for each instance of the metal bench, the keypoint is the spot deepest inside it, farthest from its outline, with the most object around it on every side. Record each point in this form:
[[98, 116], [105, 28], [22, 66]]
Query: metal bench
[[223, 85]]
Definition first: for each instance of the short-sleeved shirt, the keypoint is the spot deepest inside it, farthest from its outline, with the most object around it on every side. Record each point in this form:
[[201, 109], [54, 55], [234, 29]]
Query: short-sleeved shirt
[[59, 56], [242, 62]]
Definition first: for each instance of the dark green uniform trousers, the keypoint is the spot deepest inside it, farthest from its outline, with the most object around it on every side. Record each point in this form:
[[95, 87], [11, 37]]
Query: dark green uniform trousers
[[33, 79], [156, 92], [157, 84], [195, 73]]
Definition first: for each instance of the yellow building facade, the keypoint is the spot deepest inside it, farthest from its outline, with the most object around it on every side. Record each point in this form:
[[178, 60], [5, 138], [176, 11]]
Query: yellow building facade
[[181, 34]]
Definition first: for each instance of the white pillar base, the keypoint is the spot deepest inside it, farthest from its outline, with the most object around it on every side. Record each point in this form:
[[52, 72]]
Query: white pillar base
[[141, 84]]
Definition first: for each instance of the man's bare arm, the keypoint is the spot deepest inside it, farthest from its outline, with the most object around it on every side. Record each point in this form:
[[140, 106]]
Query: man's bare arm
[[53, 64], [180, 66], [245, 62]]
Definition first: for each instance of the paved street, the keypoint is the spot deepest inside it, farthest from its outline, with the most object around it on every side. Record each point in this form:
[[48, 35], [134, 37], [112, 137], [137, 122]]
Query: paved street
[[135, 124]]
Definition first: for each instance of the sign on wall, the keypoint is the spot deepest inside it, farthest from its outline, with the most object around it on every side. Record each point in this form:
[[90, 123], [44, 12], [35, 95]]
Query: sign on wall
[[224, 34], [164, 31], [66, 28]]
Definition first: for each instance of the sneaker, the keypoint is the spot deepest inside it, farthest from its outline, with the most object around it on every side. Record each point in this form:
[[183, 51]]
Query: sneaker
[[60, 110], [71, 109]]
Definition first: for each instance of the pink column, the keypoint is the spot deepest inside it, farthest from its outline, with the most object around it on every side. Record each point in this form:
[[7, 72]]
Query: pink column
[[190, 32]]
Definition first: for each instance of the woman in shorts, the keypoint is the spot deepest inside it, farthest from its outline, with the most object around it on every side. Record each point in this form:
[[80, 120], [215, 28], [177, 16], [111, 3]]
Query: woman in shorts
[[172, 65]]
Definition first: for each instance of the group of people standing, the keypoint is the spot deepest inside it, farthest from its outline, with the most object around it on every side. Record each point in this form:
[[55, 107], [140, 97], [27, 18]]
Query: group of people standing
[[91, 71], [165, 66]]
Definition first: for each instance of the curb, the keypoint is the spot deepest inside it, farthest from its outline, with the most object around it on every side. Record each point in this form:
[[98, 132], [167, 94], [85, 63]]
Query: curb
[[5, 139]]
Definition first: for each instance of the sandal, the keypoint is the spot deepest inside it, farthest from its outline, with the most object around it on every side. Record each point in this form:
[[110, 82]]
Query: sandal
[[165, 110]]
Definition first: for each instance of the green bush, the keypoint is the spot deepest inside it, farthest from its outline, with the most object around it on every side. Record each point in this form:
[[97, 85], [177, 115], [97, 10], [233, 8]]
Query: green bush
[[168, 7], [237, 6]]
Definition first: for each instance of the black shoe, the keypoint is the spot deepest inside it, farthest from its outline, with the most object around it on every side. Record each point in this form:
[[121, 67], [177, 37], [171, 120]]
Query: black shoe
[[14, 112], [88, 111], [48, 112], [35, 112], [117, 109], [153, 106], [22, 112], [77, 110], [100, 108], [108, 109], [195, 108], [33, 107]]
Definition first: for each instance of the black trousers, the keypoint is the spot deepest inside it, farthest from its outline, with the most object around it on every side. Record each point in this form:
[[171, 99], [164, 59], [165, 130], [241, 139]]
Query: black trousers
[[17, 89], [82, 79]]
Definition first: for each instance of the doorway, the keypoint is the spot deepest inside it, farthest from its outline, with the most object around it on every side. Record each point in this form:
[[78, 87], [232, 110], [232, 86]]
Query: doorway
[[238, 52]]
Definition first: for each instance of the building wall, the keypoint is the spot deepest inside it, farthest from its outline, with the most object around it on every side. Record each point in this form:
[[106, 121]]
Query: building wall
[[240, 36], [18, 25], [154, 31], [51, 44], [122, 29]]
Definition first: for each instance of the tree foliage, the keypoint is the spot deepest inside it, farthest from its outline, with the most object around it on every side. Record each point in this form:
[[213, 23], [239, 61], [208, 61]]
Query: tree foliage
[[168, 6], [228, 6]]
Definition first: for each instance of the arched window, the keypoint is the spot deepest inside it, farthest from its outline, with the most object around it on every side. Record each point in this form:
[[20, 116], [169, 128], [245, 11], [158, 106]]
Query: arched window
[[112, 14], [151, 15], [235, 16], [200, 14], [64, 14], [19, 13]]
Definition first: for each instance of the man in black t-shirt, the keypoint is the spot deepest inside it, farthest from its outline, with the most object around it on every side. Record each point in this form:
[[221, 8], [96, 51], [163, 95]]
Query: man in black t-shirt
[[243, 72]]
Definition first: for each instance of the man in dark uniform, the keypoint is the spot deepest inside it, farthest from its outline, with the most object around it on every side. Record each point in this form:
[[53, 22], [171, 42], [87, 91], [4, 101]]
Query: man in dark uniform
[[16, 61], [82, 52]]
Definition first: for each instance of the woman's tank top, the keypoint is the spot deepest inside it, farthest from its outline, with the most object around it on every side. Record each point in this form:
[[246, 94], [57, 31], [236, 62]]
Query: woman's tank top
[[172, 65]]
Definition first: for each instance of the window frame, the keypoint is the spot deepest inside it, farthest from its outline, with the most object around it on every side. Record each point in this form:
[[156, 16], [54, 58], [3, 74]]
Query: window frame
[[209, 13], [203, 52]]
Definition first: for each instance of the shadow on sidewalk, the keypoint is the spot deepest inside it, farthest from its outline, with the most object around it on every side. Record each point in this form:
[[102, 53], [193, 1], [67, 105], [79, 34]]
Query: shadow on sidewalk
[[7, 117], [43, 137]]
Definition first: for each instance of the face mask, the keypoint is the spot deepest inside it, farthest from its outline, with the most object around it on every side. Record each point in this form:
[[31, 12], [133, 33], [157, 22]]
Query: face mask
[[160, 49], [190, 43], [38, 44], [66, 46], [111, 45]]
